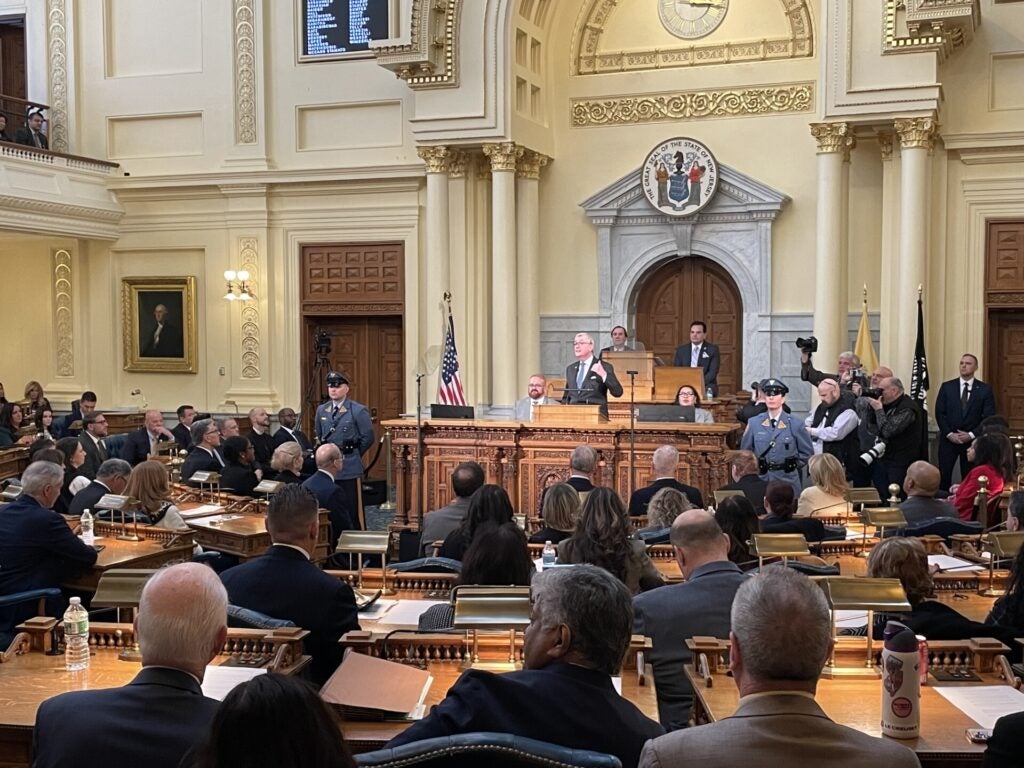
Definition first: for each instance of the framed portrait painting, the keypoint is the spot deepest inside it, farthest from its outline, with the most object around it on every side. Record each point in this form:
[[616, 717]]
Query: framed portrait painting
[[158, 320]]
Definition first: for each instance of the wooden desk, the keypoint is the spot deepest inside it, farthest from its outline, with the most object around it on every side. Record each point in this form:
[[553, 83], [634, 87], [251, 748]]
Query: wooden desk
[[158, 547], [123, 422], [13, 461], [857, 704], [245, 535], [525, 458]]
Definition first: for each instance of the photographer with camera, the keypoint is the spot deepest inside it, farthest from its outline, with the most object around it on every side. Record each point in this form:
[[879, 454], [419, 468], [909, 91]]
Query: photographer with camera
[[850, 372], [893, 420], [347, 424], [833, 425], [778, 440]]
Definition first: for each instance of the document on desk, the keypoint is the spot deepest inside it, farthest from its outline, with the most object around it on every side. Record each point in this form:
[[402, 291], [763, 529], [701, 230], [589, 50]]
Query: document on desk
[[954, 564], [984, 704], [201, 511], [851, 619], [378, 609], [405, 613], [218, 681]]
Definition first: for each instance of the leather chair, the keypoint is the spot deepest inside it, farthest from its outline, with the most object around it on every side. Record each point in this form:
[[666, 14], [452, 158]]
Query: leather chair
[[247, 618], [945, 527], [427, 565], [654, 537], [40, 596], [496, 750]]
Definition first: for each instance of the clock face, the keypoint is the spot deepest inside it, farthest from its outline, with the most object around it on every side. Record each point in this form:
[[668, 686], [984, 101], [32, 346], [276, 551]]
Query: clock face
[[691, 19]]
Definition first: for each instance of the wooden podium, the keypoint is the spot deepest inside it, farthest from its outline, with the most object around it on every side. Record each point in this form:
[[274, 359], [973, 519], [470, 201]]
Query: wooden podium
[[572, 415]]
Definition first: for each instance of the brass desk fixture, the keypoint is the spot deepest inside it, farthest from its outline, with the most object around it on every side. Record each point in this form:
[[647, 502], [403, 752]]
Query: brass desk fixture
[[367, 543], [849, 593], [784, 545], [492, 608]]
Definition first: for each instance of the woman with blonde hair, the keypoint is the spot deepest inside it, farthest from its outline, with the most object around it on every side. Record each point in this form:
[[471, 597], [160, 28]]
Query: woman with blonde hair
[[287, 463], [149, 484], [666, 505], [561, 512], [36, 400], [828, 494]]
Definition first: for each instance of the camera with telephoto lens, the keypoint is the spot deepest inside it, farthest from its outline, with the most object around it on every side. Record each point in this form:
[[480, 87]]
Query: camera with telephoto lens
[[876, 451], [874, 393], [808, 345]]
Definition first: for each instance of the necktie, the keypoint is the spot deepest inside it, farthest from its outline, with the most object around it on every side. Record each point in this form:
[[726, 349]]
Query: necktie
[[103, 450], [581, 376], [694, 357], [775, 423], [964, 397], [37, 140]]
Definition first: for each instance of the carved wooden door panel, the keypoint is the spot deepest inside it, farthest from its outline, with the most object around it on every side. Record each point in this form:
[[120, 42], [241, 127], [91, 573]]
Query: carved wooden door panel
[[687, 289], [1004, 332]]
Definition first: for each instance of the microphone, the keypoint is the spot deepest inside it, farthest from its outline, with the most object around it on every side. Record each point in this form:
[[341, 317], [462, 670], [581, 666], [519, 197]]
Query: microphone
[[632, 373]]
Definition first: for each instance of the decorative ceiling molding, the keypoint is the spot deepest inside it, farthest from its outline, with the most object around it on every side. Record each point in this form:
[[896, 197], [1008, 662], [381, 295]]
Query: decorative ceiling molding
[[431, 59], [592, 22], [931, 25], [57, 35]]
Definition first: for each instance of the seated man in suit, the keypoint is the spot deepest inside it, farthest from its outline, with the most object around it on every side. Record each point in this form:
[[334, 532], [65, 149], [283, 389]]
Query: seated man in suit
[[582, 463], [920, 485], [466, 479], [700, 353], [37, 548], [588, 381], [140, 444], [161, 714], [781, 637], [112, 477], [31, 133], [283, 583], [698, 606], [666, 463], [259, 437], [535, 388], [183, 429], [92, 438], [743, 469], [330, 497], [289, 430], [204, 456], [71, 425], [577, 638]]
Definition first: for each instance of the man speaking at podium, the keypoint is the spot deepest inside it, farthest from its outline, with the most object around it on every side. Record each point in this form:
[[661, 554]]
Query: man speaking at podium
[[588, 381]]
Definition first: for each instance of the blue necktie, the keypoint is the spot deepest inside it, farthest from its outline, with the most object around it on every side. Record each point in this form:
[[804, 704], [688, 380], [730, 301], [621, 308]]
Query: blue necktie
[[581, 376]]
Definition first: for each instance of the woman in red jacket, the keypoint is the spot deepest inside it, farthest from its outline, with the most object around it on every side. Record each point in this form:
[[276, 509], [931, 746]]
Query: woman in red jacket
[[991, 456]]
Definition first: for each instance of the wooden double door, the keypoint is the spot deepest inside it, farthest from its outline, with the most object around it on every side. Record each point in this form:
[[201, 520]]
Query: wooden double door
[[686, 289], [1004, 299]]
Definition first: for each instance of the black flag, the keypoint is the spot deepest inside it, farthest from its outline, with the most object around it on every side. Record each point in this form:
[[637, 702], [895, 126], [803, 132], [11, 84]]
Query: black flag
[[919, 383]]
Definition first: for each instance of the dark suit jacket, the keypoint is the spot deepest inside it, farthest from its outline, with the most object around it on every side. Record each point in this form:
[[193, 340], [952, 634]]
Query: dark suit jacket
[[674, 613], [918, 509], [264, 445], [170, 345], [590, 714], [24, 136], [642, 496], [183, 436], [282, 436], [331, 498], [1006, 747], [811, 528], [239, 479], [87, 498], [93, 456], [135, 448], [594, 391], [753, 488], [948, 415], [152, 722], [284, 584], [937, 621], [710, 361], [37, 550], [199, 460]]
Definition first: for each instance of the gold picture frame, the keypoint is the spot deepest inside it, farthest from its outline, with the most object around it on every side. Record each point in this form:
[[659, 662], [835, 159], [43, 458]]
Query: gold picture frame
[[158, 321]]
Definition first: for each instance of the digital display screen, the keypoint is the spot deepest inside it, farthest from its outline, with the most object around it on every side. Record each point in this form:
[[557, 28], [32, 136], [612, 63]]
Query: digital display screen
[[332, 27]]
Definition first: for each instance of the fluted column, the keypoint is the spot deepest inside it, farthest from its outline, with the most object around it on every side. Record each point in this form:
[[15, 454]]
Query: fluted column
[[527, 257], [917, 137], [504, 324], [436, 267], [834, 143], [888, 289]]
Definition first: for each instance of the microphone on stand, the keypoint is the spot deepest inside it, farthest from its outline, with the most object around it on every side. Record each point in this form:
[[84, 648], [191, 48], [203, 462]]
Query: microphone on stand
[[632, 430]]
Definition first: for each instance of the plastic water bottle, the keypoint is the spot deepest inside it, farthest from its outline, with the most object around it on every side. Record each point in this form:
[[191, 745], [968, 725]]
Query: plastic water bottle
[[76, 636], [86, 521], [711, 395], [548, 556], [901, 684]]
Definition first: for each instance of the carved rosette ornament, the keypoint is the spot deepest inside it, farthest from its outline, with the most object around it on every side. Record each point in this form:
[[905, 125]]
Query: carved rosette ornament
[[504, 156], [832, 137], [916, 132]]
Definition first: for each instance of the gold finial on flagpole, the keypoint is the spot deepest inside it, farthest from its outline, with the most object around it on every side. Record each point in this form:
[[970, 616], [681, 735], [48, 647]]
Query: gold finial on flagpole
[[448, 299], [865, 294], [920, 290]]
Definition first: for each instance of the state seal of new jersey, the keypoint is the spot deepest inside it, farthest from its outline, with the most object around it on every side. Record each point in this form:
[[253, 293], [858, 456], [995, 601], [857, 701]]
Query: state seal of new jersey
[[679, 176]]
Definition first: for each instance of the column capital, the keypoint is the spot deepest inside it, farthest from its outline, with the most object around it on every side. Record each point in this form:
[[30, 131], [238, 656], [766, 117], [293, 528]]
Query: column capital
[[458, 161], [530, 163], [916, 132], [437, 158], [504, 156], [885, 144], [832, 137]]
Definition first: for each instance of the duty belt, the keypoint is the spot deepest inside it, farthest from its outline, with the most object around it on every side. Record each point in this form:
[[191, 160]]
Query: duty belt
[[789, 466]]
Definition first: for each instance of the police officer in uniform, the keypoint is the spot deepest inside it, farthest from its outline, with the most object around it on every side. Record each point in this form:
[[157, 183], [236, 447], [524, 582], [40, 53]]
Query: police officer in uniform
[[779, 440], [347, 424]]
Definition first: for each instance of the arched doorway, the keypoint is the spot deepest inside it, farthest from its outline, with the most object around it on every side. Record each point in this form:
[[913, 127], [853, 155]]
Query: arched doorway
[[686, 289]]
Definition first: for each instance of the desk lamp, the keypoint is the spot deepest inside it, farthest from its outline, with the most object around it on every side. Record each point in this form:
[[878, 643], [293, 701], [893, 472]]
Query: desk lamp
[[859, 593]]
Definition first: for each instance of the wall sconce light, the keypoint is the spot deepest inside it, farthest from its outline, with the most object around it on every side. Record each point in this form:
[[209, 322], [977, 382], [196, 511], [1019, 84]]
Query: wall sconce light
[[240, 290]]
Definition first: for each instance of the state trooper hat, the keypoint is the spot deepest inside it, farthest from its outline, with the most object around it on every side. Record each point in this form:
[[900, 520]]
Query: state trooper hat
[[335, 379], [774, 387]]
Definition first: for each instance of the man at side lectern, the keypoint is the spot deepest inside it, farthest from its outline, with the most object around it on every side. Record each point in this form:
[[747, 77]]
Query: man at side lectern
[[700, 353], [588, 381]]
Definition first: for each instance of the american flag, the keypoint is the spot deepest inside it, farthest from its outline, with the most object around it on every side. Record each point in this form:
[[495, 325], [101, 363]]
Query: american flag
[[449, 386]]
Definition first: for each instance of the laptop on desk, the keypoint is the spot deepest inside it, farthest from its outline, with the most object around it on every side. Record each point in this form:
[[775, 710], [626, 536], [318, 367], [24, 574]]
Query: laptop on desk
[[667, 413]]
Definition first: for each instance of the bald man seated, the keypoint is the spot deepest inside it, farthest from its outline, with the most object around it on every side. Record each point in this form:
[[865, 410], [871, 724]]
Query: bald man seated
[[139, 445], [155, 719], [329, 496], [920, 485]]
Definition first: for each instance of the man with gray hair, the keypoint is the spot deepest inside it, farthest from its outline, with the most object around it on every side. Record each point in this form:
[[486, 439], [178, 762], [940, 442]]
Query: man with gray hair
[[895, 421], [111, 477], [699, 606], [849, 371], [205, 454], [577, 638], [155, 719], [582, 464], [781, 638], [589, 380], [37, 548], [665, 461]]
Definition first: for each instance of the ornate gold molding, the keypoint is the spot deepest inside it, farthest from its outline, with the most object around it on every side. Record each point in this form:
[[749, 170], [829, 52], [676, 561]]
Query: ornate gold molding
[[592, 22], [63, 296], [691, 105], [249, 257], [458, 162], [931, 25], [56, 34], [504, 156], [431, 59], [530, 163], [832, 138], [885, 144], [245, 72], [916, 132], [436, 158]]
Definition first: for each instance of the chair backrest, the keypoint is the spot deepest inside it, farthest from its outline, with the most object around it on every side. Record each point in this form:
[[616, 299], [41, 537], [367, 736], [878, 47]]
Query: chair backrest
[[250, 619], [722, 494], [496, 750], [938, 526], [427, 565]]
